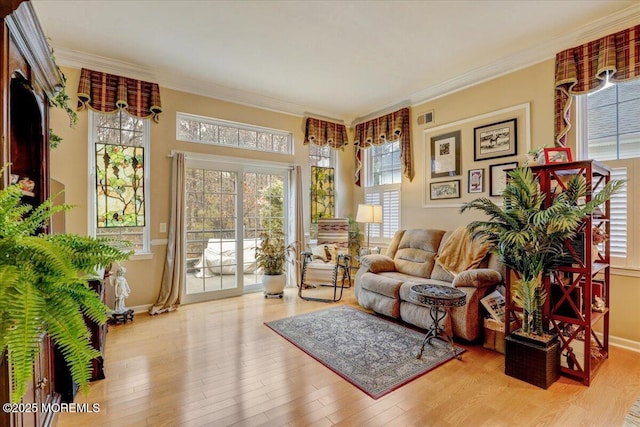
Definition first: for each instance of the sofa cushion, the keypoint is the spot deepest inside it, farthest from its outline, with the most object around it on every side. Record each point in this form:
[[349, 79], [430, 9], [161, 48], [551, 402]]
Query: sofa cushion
[[381, 284], [416, 252], [376, 263]]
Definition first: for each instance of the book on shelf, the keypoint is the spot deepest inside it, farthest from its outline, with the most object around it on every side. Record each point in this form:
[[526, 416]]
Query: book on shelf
[[494, 303]]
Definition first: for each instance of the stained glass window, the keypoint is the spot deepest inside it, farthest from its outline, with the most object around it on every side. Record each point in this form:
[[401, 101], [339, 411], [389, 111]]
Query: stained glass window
[[119, 142], [323, 194]]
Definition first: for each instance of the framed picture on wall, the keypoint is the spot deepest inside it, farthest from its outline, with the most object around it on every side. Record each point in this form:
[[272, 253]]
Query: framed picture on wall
[[557, 155], [495, 140], [498, 177], [445, 155], [476, 181], [445, 190]]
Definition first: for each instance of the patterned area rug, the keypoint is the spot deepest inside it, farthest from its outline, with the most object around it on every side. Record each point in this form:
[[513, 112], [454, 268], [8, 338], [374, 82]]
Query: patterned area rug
[[374, 354], [633, 417]]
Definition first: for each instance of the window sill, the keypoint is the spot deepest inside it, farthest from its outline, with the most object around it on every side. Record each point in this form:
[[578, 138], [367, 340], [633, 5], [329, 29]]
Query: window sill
[[629, 272], [141, 256]]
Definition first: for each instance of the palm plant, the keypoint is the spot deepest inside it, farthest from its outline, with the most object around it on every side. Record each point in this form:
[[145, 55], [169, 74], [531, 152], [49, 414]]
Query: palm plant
[[44, 289], [529, 237]]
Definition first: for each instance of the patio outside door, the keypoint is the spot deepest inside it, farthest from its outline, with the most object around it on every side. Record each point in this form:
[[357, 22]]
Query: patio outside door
[[227, 208]]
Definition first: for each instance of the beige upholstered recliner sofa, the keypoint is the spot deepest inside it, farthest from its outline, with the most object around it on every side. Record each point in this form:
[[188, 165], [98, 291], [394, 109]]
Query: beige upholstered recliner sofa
[[383, 282]]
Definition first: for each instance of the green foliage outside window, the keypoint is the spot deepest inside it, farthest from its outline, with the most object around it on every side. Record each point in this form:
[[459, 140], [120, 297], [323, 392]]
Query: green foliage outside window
[[272, 208]]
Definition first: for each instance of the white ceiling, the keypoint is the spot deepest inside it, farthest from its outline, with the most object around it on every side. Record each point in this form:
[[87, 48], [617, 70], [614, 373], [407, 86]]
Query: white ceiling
[[341, 59]]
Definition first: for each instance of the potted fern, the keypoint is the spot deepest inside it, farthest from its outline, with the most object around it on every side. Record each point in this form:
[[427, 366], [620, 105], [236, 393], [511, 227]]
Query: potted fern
[[529, 238], [272, 257], [44, 289]]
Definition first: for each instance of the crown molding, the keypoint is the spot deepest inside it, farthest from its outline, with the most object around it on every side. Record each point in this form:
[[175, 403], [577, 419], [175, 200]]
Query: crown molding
[[381, 112], [76, 59], [618, 21], [541, 52]]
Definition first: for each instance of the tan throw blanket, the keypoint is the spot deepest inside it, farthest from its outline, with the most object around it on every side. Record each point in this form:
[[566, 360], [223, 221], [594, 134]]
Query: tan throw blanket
[[461, 252]]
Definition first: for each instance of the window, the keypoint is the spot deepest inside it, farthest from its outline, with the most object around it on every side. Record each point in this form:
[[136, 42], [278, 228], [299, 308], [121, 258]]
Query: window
[[382, 186], [320, 156], [609, 131], [119, 169], [323, 195], [230, 134]]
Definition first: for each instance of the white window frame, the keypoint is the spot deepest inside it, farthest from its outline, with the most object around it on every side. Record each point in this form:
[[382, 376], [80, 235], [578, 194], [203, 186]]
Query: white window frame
[[331, 156], [145, 252], [629, 265], [381, 232], [233, 125]]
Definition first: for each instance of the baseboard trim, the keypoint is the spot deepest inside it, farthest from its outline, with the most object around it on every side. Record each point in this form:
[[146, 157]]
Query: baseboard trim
[[141, 308], [624, 343]]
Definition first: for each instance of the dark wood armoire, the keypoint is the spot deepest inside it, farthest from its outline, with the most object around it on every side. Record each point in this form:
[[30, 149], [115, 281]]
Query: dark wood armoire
[[29, 77]]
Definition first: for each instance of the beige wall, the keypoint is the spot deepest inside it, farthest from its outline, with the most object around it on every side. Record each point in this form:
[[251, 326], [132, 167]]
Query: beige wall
[[533, 85], [69, 166]]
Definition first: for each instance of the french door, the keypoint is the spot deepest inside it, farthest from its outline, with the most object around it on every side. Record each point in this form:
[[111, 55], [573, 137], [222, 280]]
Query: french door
[[227, 207]]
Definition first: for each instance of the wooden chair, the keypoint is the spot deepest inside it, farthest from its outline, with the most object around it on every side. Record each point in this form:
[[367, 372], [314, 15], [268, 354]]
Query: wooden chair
[[327, 263]]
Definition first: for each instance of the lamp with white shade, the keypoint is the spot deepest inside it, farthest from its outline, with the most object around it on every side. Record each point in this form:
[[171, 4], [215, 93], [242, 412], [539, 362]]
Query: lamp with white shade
[[369, 214]]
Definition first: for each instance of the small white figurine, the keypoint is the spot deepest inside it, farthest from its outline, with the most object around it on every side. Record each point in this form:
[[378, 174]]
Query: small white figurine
[[120, 286]]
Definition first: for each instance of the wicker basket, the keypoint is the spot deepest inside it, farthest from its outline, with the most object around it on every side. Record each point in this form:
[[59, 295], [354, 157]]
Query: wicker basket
[[537, 364]]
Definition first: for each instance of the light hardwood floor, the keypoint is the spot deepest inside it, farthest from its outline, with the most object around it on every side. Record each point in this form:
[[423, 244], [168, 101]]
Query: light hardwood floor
[[216, 364]]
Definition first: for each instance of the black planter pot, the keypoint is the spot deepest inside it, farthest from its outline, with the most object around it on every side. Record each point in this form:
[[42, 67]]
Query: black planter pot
[[533, 361]]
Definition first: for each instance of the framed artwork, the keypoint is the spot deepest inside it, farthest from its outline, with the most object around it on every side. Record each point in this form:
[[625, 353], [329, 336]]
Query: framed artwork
[[445, 155], [476, 181], [557, 155], [495, 140], [445, 190], [498, 177]]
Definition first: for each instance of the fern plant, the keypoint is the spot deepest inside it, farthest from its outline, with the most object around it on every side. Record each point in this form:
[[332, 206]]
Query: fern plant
[[529, 238], [44, 289]]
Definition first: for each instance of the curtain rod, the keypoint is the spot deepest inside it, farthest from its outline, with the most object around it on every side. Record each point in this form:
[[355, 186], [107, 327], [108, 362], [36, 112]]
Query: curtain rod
[[231, 159]]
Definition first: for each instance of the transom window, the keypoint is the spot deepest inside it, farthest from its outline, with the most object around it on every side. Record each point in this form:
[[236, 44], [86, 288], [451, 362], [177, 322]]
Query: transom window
[[119, 170], [207, 130]]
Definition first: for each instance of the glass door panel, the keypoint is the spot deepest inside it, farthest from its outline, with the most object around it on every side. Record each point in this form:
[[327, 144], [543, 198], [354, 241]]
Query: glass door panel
[[228, 208], [264, 213], [211, 216]]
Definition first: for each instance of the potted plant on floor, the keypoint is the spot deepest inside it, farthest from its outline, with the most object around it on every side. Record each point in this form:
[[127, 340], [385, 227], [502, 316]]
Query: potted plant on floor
[[44, 289], [530, 238], [272, 257]]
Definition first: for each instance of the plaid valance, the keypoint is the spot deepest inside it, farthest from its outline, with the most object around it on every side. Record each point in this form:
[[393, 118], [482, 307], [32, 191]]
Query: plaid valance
[[388, 128], [583, 69], [320, 132], [108, 93]]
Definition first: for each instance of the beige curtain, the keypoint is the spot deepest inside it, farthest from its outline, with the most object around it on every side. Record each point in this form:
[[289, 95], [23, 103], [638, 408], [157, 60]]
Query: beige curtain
[[173, 275], [298, 222]]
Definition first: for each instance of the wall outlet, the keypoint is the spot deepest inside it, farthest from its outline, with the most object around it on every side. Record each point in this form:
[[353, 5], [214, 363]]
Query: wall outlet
[[163, 227]]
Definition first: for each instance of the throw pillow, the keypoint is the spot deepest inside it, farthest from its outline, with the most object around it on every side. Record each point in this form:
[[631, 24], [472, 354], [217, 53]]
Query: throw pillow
[[318, 252]]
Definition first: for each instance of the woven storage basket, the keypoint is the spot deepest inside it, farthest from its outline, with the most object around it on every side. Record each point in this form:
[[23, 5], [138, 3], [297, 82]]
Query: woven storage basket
[[534, 363]]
